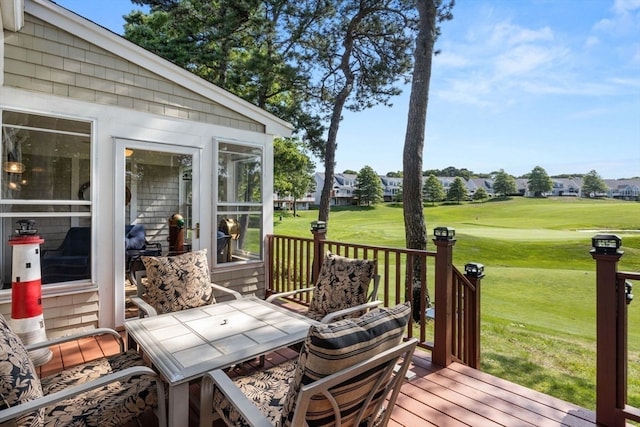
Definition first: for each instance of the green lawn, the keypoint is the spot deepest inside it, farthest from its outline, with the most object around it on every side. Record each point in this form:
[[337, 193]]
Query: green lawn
[[538, 295]]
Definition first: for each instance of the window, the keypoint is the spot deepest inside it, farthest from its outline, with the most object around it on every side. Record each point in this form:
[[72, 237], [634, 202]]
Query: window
[[46, 170], [240, 202]]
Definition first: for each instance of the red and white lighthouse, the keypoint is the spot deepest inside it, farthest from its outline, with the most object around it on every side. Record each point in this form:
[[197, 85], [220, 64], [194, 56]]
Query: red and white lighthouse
[[26, 290]]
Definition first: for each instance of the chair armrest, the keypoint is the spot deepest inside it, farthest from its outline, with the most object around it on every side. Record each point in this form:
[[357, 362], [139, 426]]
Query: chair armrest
[[53, 398], [231, 292], [219, 379], [145, 308], [366, 306], [73, 337], [289, 293]]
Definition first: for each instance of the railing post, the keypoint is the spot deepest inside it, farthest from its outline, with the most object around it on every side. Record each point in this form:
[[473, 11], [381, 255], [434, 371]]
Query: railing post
[[319, 230], [606, 255], [474, 272], [442, 340]]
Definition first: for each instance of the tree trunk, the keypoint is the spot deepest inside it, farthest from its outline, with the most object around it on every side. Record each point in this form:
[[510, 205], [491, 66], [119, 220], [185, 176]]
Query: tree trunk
[[332, 135], [415, 227]]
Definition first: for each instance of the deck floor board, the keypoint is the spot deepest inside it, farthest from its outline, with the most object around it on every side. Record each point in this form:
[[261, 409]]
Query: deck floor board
[[448, 397]]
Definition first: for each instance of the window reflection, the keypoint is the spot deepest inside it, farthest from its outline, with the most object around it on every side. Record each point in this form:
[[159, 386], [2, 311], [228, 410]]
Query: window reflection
[[46, 176], [239, 202]]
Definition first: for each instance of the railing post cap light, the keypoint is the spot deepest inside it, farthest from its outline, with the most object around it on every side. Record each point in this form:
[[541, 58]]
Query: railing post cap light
[[607, 244], [318, 226], [444, 233], [474, 269]]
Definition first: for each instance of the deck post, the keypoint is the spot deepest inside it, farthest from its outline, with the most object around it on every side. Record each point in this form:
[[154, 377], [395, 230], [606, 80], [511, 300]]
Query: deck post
[[607, 359], [474, 272], [442, 340]]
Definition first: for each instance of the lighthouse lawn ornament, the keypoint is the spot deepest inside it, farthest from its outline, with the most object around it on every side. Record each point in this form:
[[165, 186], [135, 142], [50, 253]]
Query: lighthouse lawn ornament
[[26, 290]]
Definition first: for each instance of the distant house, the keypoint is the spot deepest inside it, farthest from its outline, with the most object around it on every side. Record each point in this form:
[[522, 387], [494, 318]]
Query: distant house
[[342, 190], [344, 186], [474, 184], [566, 187], [99, 134], [283, 203], [392, 188], [624, 189]]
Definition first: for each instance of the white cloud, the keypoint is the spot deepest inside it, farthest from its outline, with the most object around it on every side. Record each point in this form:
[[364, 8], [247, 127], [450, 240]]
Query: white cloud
[[509, 34], [625, 19], [501, 63], [526, 59], [626, 6], [592, 41]]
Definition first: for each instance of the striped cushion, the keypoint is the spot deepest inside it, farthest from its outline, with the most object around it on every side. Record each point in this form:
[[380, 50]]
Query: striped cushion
[[336, 346], [342, 283], [178, 282]]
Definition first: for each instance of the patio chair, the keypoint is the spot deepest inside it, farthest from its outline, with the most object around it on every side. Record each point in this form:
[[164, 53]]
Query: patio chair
[[108, 391], [175, 283], [342, 289], [345, 375]]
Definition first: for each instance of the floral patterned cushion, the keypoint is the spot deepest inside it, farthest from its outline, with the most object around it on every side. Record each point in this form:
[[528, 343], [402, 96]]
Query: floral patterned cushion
[[335, 346], [113, 405], [266, 389], [342, 283], [178, 282], [19, 382]]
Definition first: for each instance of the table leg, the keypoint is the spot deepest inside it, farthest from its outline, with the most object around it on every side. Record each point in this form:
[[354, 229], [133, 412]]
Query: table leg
[[179, 405]]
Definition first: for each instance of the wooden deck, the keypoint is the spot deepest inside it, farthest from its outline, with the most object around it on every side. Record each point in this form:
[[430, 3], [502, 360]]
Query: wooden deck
[[452, 396]]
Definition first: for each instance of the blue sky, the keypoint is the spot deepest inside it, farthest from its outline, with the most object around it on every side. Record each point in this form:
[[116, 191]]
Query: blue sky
[[519, 84]]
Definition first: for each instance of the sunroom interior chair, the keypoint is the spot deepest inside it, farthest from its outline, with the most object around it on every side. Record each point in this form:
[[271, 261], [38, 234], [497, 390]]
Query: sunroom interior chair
[[222, 246], [341, 290], [349, 373], [107, 391], [137, 245], [175, 283], [69, 261]]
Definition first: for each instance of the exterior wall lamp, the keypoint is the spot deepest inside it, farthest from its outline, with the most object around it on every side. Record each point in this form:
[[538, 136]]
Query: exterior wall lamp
[[444, 233], [606, 244]]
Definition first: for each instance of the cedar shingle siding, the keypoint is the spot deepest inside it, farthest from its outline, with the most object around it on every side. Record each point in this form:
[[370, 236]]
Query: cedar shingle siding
[[46, 59]]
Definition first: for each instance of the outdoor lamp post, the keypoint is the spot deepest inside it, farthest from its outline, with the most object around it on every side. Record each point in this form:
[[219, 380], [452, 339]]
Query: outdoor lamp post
[[610, 324], [444, 233], [606, 244], [318, 226], [474, 269], [319, 231]]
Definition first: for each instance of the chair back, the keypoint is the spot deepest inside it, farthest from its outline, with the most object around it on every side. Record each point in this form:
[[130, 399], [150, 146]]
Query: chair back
[[178, 282], [134, 237], [77, 242], [376, 383], [342, 283]]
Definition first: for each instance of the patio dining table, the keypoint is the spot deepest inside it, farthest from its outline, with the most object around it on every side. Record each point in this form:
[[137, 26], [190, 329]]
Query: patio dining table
[[184, 345]]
